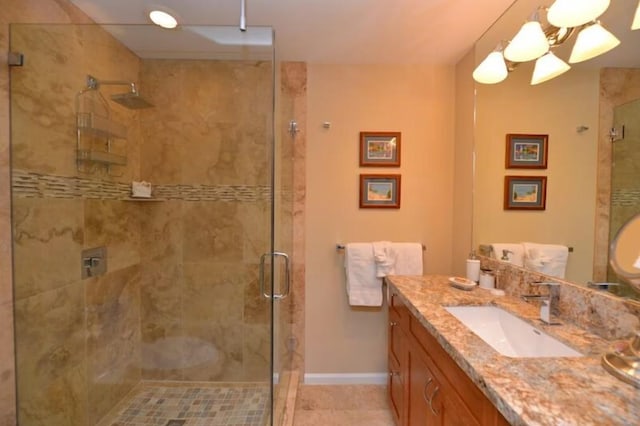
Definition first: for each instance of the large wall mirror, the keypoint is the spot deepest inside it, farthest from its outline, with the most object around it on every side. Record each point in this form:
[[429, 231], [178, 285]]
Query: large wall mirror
[[592, 183]]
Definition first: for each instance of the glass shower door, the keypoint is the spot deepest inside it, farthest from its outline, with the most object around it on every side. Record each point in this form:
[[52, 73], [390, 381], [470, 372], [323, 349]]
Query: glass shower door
[[175, 325]]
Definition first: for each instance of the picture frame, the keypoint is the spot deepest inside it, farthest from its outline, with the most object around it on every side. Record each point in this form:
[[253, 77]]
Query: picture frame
[[525, 151], [525, 192], [380, 149], [379, 191]]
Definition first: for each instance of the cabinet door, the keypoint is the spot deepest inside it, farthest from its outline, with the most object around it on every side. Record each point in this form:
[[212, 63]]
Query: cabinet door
[[425, 407], [398, 362]]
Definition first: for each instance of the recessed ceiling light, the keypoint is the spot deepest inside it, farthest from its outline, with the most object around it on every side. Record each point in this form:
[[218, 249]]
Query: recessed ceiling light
[[163, 19]]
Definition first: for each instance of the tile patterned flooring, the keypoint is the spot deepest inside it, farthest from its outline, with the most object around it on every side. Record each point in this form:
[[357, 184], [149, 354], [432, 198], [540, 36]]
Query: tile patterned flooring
[[342, 405], [193, 405], [175, 404]]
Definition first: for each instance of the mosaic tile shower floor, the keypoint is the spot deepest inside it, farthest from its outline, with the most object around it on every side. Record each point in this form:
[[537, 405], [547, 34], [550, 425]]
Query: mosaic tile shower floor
[[211, 405]]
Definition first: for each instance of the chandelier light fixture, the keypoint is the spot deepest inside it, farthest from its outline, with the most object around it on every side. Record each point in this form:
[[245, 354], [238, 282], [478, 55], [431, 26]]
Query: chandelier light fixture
[[493, 69], [592, 41], [530, 42], [536, 38], [573, 13], [636, 19], [548, 66]]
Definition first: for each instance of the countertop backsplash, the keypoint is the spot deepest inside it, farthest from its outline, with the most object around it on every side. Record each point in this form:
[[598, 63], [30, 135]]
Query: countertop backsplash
[[603, 314]]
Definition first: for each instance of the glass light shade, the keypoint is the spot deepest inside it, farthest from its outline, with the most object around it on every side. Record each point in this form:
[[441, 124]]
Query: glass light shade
[[530, 43], [163, 19], [636, 19], [548, 66], [592, 41], [492, 70], [573, 13]]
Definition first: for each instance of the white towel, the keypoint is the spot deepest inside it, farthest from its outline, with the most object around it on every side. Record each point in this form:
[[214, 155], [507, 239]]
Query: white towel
[[515, 252], [364, 288], [385, 258], [408, 258], [549, 259]]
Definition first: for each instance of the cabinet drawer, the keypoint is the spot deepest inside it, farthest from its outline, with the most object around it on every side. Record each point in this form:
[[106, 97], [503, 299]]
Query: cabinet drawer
[[457, 379]]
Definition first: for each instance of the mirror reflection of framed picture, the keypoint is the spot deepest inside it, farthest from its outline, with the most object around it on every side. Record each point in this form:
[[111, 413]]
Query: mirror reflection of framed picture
[[526, 151], [380, 149], [525, 192], [380, 191]]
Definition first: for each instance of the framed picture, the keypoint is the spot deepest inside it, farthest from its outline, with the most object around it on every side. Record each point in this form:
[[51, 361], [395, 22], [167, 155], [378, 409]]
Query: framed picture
[[380, 191], [526, 151], [379, 149], [525, 192]]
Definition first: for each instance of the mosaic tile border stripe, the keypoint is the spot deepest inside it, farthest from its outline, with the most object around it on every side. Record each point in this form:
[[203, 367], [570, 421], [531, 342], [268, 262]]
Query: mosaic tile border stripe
[[625, 197], [36, 185]]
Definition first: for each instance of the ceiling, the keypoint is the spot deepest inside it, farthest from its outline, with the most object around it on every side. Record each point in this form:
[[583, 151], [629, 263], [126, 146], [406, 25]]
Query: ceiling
[[333, 31]]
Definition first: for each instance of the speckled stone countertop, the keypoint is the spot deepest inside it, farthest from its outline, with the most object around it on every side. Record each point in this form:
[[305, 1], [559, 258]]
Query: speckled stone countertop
[[527, 391]]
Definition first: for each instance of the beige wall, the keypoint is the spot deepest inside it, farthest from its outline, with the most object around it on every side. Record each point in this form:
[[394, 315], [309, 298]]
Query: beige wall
[[555, 108], [417, 101], [464, 164]]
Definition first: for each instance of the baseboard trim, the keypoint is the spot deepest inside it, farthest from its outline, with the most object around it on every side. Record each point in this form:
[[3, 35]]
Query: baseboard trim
[[346, 379]]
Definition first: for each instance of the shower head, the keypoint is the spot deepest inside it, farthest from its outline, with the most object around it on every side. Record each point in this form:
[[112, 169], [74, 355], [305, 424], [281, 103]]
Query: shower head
[[131, 100]]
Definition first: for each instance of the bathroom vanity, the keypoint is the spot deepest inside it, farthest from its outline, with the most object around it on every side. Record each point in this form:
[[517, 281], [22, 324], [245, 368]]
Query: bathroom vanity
[[440, 372]]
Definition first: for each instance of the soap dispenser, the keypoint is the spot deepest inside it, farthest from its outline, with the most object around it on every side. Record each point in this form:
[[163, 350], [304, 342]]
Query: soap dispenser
[[473, 267]]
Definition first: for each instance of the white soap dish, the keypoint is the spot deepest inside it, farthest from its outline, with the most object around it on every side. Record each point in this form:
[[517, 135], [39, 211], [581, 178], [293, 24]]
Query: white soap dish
[[462, 283]]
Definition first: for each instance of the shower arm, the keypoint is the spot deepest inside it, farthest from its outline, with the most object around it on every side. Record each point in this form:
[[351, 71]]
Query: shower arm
[[93, 84]]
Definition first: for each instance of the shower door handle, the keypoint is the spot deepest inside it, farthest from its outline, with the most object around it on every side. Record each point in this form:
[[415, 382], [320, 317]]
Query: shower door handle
[[287, 275]]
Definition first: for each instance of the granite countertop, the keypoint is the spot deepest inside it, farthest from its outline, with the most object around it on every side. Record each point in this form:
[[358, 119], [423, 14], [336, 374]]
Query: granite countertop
[[527, 391]]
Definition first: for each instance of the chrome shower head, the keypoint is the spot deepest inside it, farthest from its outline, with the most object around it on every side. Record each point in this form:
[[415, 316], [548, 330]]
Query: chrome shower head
[[131, 100]]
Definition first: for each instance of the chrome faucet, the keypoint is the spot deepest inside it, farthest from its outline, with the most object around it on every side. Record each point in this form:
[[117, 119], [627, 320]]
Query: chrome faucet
[[548, 300]]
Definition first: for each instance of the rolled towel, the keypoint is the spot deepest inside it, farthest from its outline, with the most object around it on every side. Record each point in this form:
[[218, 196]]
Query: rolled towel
[[384, 257], [549, 259]]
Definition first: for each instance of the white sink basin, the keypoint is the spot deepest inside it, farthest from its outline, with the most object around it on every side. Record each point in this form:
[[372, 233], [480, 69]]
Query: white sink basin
[[508, 334]]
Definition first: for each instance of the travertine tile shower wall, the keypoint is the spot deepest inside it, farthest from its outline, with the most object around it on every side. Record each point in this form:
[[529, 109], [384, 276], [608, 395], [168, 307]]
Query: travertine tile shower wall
[[204, 149], [77, 341], [181, 296]]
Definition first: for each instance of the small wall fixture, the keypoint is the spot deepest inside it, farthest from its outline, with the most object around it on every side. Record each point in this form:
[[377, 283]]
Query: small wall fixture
[[163, 19]]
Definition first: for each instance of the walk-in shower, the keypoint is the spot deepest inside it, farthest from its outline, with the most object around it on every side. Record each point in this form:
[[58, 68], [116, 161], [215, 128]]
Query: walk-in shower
[[183, 325]]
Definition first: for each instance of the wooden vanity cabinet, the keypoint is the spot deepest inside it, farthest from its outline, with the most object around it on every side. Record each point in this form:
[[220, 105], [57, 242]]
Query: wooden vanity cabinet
[[426, 387]]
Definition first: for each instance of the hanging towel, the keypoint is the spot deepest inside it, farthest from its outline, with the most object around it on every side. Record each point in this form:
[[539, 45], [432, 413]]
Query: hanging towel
[[516, 255], [385, 258], [408, 258], [549, 259], [364, 288]]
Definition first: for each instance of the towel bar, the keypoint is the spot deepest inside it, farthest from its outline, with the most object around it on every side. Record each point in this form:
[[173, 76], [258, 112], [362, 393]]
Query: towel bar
[[341, 247], [486, 249]]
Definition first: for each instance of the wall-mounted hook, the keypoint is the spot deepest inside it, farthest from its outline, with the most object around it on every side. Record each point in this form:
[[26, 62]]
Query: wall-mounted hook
[[582, 129], [293, 128], [616, 133]]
